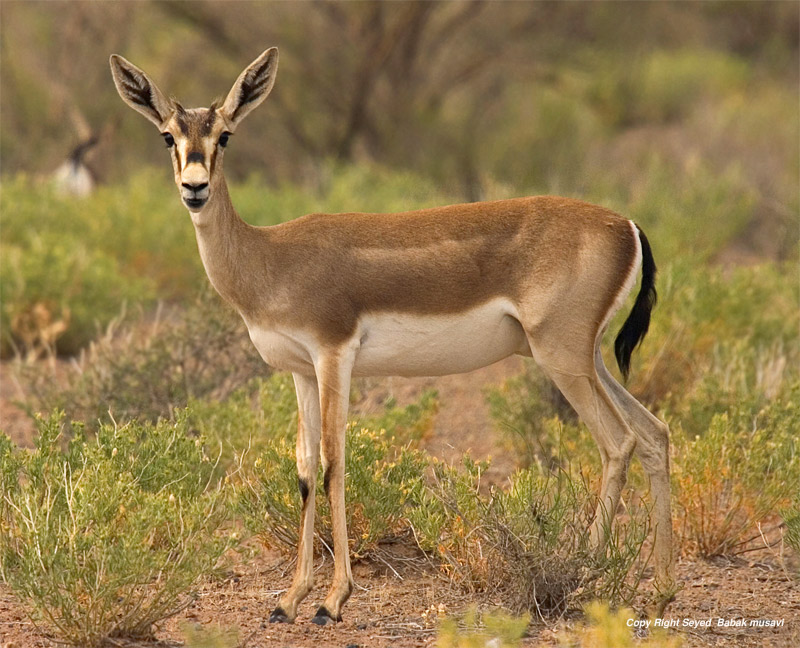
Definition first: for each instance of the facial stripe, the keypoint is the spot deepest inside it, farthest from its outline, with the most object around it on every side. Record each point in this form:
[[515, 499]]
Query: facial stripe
[[183, 125], [213, 160], [208, 123]]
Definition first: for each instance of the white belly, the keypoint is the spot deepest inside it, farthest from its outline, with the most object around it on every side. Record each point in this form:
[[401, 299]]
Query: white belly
[[393, 344], [400, 344]]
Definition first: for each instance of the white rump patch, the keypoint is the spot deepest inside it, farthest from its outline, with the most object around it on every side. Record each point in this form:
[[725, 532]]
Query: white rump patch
[[630, 280]]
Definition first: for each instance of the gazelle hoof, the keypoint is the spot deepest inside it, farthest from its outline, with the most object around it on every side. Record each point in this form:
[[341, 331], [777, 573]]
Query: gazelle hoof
[[323, 617], [279, 616]]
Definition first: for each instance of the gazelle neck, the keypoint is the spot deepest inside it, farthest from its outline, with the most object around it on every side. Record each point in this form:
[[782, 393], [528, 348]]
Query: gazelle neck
[[218, 212], [223, 239]]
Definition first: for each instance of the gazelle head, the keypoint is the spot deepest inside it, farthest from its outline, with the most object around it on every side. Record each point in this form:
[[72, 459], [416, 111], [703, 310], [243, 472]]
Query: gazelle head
[[196, 137]]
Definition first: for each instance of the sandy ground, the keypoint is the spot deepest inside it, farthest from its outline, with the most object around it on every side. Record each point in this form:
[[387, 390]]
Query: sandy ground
[[399, 597]]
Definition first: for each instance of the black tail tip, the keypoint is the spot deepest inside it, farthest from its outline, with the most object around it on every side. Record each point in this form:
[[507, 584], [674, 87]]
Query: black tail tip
[[623, 352], [636, 326], [633, 330]]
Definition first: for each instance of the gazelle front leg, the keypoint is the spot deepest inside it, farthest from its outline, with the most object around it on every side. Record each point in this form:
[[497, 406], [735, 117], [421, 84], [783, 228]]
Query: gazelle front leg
[[308, 435], [334, 385]]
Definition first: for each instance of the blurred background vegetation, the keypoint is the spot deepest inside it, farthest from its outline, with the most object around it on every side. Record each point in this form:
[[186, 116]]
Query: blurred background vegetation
[[544, 95], [682, 116]]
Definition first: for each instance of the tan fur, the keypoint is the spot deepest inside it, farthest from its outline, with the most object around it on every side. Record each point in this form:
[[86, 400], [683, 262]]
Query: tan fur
[[547, 273], [435, 261]]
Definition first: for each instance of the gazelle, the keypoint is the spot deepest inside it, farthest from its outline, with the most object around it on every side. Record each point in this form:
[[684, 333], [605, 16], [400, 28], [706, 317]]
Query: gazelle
[[428, 292]]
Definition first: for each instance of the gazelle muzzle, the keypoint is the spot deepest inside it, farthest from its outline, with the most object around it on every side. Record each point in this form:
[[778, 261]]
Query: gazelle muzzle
[[194, 186]]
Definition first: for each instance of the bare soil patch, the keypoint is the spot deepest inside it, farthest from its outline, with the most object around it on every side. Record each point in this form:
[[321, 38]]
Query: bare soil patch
[[399, 606]]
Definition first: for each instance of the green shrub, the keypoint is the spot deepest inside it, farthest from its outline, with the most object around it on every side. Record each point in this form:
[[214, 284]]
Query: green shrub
[[382, 472], [80, 261], [705, 318], [10, 466], [496, 629], [543, 139], [139, 223], [408, 423], [604, 629], [527, 544], [610, 629], [378, 482], [445, 511], [198, 636], [380, 479], [532, 412], [737, 474], [791, 518], [671, 82], [663, 86], [689, 211], [737, 377], [58, 294], [107, 537], [249, 421]]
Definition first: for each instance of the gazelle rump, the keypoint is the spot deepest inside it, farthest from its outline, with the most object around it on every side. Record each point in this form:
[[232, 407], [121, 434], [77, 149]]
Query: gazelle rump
[[427, 292]]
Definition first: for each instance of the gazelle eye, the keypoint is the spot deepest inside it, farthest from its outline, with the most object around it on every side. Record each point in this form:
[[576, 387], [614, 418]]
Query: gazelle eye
[[168, 139], [223, 139]]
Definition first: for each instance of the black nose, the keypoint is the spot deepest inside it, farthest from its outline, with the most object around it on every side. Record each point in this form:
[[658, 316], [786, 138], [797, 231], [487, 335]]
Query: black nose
[[194, 187]]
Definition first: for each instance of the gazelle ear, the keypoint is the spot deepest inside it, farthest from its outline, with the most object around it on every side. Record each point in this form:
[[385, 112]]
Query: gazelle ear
[[252, 87], [139, 92]]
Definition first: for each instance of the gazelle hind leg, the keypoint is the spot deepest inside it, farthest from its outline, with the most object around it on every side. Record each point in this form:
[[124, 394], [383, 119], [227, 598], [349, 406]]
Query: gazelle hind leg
[[308, 446], [581, 386], [652, 449]]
